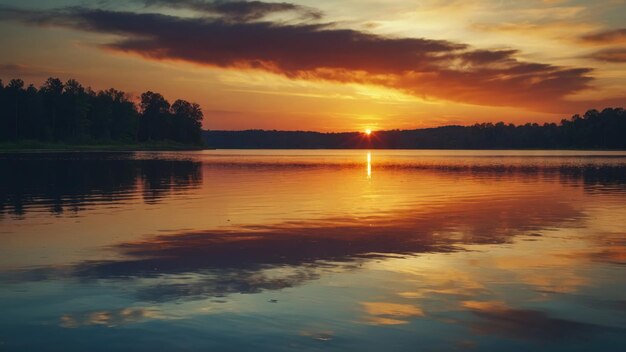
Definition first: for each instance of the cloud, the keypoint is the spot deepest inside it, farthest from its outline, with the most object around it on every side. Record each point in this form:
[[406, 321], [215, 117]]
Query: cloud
[[616, 55], [11, 70], [552, 29], [615, 36], [421, 67], [241, 11]]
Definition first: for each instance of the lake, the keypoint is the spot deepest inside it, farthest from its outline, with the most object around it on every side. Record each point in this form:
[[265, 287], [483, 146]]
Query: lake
[[342, 250]]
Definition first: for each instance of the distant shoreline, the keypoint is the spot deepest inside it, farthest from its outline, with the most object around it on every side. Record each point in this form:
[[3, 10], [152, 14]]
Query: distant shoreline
[[156, 148], [595, 130], [38, 147]]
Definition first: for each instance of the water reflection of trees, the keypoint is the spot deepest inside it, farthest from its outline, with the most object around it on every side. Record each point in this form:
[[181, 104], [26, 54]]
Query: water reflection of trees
[[71, 182]]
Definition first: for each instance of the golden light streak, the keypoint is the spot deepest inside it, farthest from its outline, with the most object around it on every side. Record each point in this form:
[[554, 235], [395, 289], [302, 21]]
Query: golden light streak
[[369, 165]]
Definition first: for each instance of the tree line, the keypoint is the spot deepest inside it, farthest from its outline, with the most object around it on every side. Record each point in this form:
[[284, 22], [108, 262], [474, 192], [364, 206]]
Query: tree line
[[595, 129], [70, 113]]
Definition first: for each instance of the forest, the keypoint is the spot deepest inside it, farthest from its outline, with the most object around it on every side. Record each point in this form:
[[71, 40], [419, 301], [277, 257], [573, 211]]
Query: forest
[[69, 113], [595, 129]]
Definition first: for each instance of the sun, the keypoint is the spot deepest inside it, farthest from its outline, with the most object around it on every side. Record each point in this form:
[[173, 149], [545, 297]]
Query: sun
[[368, 131]]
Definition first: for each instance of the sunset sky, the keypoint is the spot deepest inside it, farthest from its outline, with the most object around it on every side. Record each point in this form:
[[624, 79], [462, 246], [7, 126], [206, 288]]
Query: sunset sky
[[331, 65]]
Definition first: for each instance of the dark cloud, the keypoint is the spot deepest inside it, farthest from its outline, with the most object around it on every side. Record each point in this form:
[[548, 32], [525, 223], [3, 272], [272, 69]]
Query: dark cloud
[[617, 55], [422, 67], [607, 37], [238, 10], [610, 37]]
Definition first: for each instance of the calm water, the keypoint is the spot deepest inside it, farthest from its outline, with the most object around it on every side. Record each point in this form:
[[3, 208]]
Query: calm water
[[313, 250]]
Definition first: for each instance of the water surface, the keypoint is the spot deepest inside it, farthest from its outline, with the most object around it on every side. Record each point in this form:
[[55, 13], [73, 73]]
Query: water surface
[[313, 250]]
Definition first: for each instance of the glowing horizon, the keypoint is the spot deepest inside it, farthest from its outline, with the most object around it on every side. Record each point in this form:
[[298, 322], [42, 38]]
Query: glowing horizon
[[332, 66]]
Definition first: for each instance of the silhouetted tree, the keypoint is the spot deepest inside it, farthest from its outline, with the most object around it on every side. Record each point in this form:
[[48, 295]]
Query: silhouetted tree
[[187, 121], [76, 106], [15, 90], [71, 113], [155, 121], [51, 92]]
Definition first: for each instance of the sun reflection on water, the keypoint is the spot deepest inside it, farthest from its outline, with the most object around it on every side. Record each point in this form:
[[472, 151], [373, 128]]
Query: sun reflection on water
[[369, 165]]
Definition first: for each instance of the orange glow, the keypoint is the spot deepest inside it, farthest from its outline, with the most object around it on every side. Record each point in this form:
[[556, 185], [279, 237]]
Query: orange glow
[[368, 132], [361, 73], [369, 165]]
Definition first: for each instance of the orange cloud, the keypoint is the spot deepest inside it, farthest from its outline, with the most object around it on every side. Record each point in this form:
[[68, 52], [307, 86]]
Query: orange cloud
[[617, 55], [615, 36]]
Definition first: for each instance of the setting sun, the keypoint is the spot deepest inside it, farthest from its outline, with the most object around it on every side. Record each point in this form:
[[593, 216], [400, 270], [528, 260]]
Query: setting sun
[[368, 131]]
